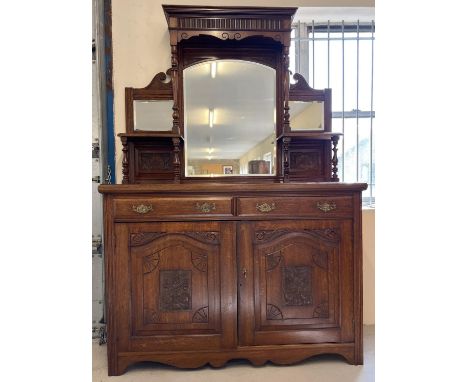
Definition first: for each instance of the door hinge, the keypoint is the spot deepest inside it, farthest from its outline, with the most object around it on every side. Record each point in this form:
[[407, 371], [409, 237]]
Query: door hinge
[[96, 179]]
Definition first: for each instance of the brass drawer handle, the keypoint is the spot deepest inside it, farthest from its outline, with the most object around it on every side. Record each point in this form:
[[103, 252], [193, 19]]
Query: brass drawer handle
[[205, 207], [142, 209], [326, 206], [265, 207]]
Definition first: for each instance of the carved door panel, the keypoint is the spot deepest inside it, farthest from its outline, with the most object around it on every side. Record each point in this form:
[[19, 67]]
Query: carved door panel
[[183, 290], [296, 282]]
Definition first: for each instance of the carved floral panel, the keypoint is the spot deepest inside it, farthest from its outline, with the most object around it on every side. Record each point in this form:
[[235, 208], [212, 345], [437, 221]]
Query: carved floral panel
[[175, 290], [297, 286]]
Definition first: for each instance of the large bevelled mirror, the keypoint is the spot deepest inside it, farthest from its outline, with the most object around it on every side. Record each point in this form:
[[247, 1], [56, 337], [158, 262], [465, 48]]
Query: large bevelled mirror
[[229, 119]]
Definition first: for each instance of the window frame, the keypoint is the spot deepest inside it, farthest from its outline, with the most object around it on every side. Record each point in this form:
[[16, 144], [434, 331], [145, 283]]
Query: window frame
[[302, 37]]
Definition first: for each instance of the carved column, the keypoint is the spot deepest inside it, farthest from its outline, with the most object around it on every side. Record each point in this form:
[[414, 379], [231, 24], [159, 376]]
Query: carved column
[[125, 179], [286, 141], [175, 89], [286, 127], [176, 143], [334, 161]]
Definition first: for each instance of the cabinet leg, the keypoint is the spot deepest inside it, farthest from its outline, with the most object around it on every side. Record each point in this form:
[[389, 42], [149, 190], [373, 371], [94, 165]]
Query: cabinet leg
[[117, 368], [359, 357]]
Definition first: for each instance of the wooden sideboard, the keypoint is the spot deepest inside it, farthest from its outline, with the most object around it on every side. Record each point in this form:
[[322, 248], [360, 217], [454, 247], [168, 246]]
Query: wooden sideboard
[[204, 273]]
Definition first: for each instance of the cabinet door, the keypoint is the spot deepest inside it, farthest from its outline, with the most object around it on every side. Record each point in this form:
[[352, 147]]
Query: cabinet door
[[175, 286], [295, 283]]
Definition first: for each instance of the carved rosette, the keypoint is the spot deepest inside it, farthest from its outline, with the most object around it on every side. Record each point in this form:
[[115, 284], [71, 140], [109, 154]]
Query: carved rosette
[[267, 235], [150, 262], [200, 261], [273, 260], [273, 312], [321, 311], [201, 315]]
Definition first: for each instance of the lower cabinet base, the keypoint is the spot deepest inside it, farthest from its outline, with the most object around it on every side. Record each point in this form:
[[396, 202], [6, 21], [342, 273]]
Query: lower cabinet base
[[257, 355]]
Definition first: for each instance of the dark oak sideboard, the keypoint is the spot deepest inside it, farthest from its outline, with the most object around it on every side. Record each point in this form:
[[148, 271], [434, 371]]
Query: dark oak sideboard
[[205, 273]]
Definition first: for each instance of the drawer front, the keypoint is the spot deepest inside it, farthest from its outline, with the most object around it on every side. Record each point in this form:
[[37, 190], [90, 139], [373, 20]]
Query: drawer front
[[311, 206], [170, 207]]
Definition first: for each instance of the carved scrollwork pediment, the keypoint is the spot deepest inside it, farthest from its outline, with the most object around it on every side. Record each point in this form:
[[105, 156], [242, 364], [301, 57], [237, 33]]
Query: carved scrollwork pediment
[[142, 238], [330, 235], [301, 88], [161, 81]]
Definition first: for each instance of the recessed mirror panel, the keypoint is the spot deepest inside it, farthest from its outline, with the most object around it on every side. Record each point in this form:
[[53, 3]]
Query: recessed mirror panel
[[306, 115], [152, 115], [229, 119]]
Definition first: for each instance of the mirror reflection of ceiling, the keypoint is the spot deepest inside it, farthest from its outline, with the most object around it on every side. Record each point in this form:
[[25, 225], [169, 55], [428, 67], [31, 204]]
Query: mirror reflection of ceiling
[[237, 99]]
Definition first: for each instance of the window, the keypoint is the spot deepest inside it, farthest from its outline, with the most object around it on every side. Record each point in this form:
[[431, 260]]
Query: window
[[340, 56]]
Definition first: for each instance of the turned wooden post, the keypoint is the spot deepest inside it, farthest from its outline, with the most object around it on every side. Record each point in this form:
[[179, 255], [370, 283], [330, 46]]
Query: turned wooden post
[[286, 142], [176, 143], [175, 89], [125, 160], [334, 161]]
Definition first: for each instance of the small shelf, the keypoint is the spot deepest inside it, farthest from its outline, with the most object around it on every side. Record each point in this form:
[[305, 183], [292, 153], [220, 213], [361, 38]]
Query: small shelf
[[151, 134], [322, 135]]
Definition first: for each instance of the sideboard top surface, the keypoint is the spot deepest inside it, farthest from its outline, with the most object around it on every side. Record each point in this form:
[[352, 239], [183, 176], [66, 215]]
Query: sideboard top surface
[[231, 188]]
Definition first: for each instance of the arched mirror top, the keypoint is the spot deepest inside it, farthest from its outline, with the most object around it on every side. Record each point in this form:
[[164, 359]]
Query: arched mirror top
[[229, 118]]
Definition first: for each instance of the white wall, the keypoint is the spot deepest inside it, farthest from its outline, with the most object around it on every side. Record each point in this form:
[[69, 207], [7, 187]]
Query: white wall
[[141, 49], [368, 251]]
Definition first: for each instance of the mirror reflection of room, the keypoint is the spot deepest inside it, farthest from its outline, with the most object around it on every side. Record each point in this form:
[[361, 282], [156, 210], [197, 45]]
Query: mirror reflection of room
[[229, 119], [152, 115], [306, 115]]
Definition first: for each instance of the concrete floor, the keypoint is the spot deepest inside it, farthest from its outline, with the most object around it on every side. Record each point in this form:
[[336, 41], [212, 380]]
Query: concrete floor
[[321, 368]]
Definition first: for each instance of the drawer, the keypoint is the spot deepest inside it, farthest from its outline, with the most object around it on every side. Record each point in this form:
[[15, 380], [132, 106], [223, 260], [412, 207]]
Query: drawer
[[171, 207], [313, 206]]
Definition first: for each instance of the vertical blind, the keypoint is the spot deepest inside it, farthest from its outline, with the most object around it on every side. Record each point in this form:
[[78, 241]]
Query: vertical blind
[[340, 56]]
